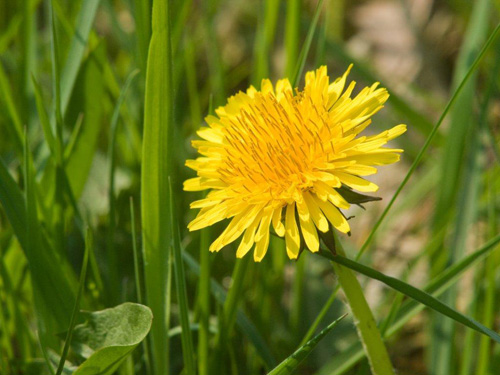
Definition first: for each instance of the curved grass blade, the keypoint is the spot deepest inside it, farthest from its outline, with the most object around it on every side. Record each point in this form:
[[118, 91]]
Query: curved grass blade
[[12, 201], [15, 125], [307, 45], [83, 273], [290, 364], [412, 292], [44, 118], [292, 31], [411, 308], [429, 139], [417, 119], [74, 60]]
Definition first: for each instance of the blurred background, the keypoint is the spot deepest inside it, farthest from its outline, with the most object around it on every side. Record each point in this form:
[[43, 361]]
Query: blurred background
[[420, 50]]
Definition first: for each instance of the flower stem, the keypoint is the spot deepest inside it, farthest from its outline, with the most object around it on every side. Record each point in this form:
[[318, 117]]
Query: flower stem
[[363, 318]]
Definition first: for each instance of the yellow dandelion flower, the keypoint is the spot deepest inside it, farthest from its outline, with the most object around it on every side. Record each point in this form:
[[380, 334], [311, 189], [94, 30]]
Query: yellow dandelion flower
[[278, 157]]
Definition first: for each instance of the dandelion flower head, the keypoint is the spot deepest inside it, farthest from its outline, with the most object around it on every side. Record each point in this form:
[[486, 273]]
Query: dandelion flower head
[[276, 157]]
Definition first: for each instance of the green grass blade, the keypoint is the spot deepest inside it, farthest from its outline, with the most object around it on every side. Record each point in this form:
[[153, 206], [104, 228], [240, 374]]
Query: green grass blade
[[192, 84], [59, 207], [414, 293], [404, 109], [436, 287], [77, 49], [12, 202], [52, 280], [156, 167], [292, 32], [301, 62], [89, 243], [180, 283], [15, 126], [44, 118], [204, 302], [142, 13], [265, 36], [290, 364], [215, 63], [320, 316], [245, 325], [428, 141], [139, 279], [112, 262], [459, 185]]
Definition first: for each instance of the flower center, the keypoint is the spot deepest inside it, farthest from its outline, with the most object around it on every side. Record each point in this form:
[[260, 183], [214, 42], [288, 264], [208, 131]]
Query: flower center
[[273, 146]]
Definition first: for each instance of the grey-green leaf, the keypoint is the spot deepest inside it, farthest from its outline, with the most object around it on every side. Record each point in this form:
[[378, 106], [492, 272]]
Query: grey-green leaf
[[109, 336]]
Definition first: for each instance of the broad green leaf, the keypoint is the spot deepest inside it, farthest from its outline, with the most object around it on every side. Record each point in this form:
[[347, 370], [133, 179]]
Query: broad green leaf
[[109, 336], [157, 165], [290, 364]]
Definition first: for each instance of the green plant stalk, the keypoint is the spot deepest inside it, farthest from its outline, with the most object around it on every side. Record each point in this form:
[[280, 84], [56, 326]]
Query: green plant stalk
[[139, 282], [234, 294], [180, 283], [204, 303], [366, 326], [435, 288], [297, 294]]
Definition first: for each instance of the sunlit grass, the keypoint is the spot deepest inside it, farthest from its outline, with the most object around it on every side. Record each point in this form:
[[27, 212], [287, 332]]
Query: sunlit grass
[[99, 101]]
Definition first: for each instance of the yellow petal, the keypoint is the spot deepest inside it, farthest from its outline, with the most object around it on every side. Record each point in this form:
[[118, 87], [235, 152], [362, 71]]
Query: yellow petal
[[315, 213], [267, 214], [335, 88], [261, 246], [325, 192], [357, 183], [292, 236], [248, 238], [235, 228], [333, 215], [307, 227], [278, 226]]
